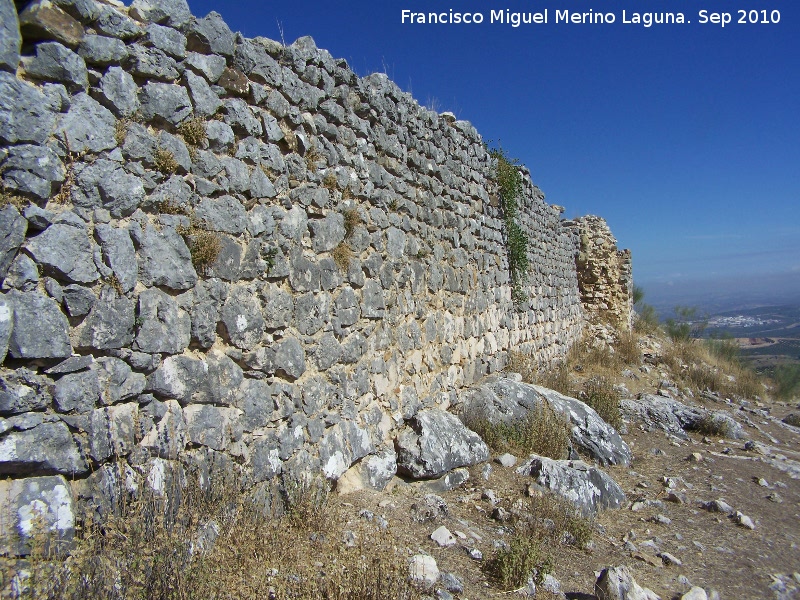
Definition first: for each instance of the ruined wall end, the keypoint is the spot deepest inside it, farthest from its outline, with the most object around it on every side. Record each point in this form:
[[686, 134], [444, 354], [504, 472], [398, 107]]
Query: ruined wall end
[[605, 273]]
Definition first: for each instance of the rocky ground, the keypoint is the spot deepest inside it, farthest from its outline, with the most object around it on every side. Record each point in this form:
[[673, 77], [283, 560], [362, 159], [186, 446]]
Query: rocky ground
[[719, 513], [696, 495]]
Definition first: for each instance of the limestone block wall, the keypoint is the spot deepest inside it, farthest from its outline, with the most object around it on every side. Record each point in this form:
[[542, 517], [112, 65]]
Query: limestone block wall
[[604, 272], [226, 253]]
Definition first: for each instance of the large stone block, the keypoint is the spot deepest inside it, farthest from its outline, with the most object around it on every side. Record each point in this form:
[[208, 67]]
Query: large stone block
[[10, 38], [46, 449], [243, 319], [33, 171], [13, 228], [211, 35], [212, 426], [40, 329], [436, 442], [589, 488], [88, 126], [112, 431], [32, 507], [174, 13], [25, 114], [54, 62], [42, 20], [22, 391], [164, 327], [110, 322], [164, 258]]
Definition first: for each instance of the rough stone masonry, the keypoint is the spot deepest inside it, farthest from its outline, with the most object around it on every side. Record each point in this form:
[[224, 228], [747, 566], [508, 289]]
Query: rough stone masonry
[[225, 253]]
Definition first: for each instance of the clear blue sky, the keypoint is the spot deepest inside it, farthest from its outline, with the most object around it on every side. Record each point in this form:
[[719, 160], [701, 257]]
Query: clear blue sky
[[686, 138]]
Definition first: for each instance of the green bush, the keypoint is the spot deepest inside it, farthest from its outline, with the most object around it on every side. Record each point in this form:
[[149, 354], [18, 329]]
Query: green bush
[[787, 381], [710, 424], [510, 188], [543, 431], [685, 325], [724, 348], [646, 318], [522, 557], [599, 393]]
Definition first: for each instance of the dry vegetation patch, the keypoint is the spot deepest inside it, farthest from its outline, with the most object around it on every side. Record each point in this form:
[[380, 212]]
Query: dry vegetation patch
[[216, 544]]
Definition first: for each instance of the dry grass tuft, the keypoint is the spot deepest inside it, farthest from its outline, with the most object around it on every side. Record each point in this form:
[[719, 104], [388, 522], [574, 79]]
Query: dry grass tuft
[[703, 365], [194, 131], [313, 156], [164, 161], [352, 219], [329, 182], [543, 431], [121, 131], [169, 207], [710, 424], [8, 198], [342, 255], [599, 393], [205, 247], [627, 348], [534, 548], [215, 544]]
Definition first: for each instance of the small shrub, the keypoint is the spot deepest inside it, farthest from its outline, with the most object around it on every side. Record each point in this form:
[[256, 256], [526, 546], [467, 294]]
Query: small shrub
[[599, 393], [519, 362], [627, 347], [787, 381], [510, 187], [205, 247], [312, 157], [685, 325], [543, 431], [330, 181], [113, 282], [121, 131], [168, 207], [646, 319], [194, 131], [711, 424], [706, 377], [724, 348], [709, 367], [164, 161], [352, 219], [307, 501], [559, 521], [523, 557], [342, 255], [556, 378], [7, 198], [792, 419], [637, 295]]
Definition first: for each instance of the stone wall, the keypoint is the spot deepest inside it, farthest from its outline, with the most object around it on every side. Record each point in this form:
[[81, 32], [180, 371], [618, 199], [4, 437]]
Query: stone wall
[[605, 276], [220, 252]]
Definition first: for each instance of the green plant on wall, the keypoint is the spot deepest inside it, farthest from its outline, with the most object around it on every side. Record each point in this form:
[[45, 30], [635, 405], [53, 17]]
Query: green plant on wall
[[509, 184]]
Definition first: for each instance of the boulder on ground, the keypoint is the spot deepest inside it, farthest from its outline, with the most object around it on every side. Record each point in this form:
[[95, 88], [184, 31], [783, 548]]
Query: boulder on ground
[[435, 442]]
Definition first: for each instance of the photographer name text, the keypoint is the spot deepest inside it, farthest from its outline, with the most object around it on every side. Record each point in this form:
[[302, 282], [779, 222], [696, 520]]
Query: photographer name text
[[591, 17]]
